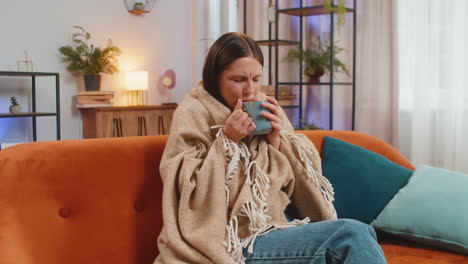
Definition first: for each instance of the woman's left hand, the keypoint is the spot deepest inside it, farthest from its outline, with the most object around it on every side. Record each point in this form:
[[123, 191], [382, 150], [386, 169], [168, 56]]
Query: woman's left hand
[[275, 120]]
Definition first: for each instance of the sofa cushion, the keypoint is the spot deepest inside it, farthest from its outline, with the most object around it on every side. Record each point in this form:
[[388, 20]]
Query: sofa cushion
[[432, 209], [364, 181]]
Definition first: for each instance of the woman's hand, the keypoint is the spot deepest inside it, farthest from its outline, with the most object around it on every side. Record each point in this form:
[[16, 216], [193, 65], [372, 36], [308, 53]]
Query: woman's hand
[[239, 124], [275, 121]]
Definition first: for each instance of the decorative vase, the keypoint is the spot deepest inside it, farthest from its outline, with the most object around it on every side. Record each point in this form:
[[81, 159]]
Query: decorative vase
[[315, 78], [92, 82], [15, 109]]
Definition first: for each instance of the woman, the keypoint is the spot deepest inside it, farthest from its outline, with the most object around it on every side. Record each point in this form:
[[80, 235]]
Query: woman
[[225, 192]]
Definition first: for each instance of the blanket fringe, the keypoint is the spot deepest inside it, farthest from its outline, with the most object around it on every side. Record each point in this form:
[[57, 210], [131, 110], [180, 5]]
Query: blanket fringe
[[256, 210], [234, 153], [305, 149], [235, 246]]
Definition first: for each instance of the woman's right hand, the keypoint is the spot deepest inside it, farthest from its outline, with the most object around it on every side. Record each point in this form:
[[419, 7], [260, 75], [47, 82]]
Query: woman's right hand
[[239, 124]]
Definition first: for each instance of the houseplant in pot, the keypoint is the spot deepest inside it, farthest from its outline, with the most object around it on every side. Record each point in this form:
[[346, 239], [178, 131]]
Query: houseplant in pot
[[317, 61], [304, 125], [85, 59], [337, 8], [14, 105]]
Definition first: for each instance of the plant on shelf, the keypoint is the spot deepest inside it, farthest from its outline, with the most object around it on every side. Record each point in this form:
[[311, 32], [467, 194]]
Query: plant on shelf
[[88, 60], [339, 9], [317, 61], [14, 105], [303, 125]]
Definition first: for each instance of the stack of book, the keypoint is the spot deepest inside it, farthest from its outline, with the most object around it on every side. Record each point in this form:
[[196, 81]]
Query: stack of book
[[95, 99], [286, 95]]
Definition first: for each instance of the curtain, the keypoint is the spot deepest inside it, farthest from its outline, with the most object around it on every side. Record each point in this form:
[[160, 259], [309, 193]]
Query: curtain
[[432, 68], [210, 20], [376, 90]]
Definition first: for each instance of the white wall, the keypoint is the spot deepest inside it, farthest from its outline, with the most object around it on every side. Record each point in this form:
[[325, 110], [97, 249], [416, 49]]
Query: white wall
[[156, 41]]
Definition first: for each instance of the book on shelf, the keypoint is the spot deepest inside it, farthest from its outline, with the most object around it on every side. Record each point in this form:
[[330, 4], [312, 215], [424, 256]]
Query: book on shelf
[[96, 93], [94, 99], [286, 95], [94, 105], [95, 96]]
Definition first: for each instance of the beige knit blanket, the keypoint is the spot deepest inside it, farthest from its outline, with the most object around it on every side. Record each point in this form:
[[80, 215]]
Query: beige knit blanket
[[219, 196]]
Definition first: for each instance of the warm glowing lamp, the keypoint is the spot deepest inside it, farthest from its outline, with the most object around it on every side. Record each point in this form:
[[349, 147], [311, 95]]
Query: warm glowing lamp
[[137, 87]]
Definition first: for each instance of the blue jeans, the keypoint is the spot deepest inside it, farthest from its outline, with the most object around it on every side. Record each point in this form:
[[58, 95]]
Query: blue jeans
[[332, 242]]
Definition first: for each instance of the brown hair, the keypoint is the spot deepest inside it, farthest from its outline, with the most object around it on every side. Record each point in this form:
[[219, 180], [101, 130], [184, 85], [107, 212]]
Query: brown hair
[[226, 49]]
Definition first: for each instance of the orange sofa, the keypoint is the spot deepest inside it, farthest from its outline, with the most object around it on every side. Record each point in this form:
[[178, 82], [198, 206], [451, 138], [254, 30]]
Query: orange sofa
[[99, 201]]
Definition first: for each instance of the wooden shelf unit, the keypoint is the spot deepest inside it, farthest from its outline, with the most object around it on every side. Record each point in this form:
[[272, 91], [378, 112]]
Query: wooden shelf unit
[[125, 121], [26, 114], [308, 11], [281, 42]]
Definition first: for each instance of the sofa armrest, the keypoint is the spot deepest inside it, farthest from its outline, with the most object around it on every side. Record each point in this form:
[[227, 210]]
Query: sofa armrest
[[81, 201]]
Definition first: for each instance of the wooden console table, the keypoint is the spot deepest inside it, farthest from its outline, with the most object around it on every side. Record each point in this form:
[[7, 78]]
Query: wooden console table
[[127, 121]]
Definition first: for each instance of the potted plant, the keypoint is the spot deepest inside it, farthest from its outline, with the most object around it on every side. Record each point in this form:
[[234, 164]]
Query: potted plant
[[303, 125], [339, 9], [88, 60], [317, 61], [14, 105]]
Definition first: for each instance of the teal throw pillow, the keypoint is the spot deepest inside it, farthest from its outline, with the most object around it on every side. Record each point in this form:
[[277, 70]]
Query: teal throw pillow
[[431, 209], [364, 181]]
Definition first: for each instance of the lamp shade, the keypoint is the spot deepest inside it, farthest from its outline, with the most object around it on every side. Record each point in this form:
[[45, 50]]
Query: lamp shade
[[136, 81]]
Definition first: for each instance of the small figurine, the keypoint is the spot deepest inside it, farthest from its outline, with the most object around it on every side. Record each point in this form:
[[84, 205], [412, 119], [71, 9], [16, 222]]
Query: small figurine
[[14, 107], [169, 81]]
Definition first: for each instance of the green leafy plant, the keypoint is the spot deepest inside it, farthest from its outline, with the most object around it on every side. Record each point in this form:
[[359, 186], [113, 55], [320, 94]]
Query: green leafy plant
[[339, 9], [307, 126], [317, 60], [85, 58], [13, 101]]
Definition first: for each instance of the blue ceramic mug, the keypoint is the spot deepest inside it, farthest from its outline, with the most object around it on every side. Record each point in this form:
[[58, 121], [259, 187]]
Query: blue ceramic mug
[[262, 124]]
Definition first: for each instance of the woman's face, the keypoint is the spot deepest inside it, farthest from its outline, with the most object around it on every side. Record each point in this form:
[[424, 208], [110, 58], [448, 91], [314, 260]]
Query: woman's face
[[242, 79]]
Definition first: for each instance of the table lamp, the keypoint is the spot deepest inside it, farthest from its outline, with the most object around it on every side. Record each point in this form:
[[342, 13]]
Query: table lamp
[[137, 87]]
